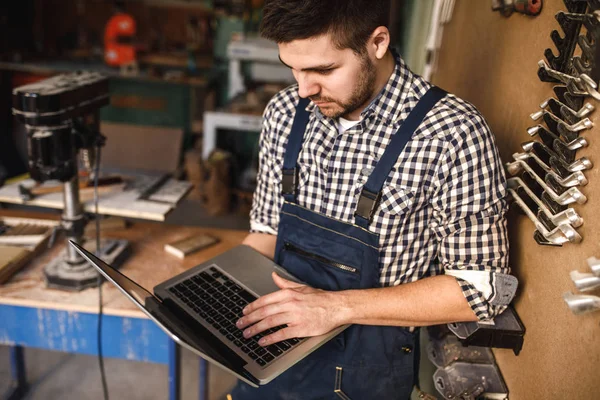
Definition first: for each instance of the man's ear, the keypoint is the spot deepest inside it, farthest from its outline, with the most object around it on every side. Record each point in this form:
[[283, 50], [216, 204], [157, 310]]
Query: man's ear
[[379, 42]]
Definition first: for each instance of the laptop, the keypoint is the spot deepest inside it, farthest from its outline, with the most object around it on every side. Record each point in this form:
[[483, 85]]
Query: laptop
[[199, 307]]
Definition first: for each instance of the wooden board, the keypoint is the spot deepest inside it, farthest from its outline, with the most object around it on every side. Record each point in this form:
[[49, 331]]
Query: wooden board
[[491, 61], [11, 259], [148, 265], [122, 203], [28, 251]]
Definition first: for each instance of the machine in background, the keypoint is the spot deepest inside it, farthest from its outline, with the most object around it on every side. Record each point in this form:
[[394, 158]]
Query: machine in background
[[61, 116]]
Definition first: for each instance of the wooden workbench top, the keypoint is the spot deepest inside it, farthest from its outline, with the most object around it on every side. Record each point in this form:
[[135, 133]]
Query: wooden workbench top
[[148, 265]]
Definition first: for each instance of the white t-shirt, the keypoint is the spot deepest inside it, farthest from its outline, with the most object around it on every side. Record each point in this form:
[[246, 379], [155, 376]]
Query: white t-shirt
[[345, 124]]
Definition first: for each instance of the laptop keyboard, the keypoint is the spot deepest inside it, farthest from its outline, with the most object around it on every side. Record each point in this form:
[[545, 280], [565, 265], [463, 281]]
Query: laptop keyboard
[[219, 301]]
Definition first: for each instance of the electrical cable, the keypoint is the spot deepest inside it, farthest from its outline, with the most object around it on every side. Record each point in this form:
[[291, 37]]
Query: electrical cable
[[99, 333]]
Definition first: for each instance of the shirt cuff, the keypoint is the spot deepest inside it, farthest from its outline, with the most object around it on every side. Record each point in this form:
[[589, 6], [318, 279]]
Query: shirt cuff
[[257, 227], [488, 293]]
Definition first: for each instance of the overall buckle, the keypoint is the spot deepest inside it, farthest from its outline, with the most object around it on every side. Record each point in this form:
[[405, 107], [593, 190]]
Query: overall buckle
[[289, 181], [367, 203]]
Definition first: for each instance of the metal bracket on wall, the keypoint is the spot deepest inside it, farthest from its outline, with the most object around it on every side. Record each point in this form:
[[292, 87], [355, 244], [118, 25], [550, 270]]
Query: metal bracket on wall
[[466, 381], [565, 45], [506, 332], [545, 175], [559, 235], [585, 282], [566, 217], [559, 108], [444, 351], [542, 151], [463, 372], [582, 303], [550, 169]]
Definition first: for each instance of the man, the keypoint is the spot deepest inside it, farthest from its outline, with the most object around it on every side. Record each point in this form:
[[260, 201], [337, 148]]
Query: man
[[383, 194]]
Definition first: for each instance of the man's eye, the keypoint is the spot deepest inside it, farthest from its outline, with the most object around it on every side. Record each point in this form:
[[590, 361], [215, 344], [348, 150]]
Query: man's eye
[[324, 71]]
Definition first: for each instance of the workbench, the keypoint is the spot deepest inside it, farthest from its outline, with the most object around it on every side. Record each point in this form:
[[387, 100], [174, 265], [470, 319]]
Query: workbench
[[34, 316]]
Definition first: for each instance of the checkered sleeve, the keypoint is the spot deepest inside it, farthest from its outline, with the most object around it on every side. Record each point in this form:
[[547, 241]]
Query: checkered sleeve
[[469, 217], [264, 216]]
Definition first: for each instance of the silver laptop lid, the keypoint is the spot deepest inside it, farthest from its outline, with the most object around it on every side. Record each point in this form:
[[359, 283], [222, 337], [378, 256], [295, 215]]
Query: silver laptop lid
[[195, 338]]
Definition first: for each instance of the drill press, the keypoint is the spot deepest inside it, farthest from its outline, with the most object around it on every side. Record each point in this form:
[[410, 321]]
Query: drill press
[[61, 116]]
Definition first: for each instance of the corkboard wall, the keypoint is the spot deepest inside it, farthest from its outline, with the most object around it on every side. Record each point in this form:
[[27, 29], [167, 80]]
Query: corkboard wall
[[491, 61]]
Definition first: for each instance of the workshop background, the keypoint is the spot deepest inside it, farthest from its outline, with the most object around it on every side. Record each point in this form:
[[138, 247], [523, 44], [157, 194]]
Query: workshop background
[[188, 81]]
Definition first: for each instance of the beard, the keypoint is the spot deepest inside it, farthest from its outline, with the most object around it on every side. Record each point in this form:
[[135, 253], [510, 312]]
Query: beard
[[362, 92]]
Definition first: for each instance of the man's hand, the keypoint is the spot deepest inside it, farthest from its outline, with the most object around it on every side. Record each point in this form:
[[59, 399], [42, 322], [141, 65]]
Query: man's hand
[[306, 312]]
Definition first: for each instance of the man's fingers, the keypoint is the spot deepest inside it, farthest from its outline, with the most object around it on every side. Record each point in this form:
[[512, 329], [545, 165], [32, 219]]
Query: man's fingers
[[259, 314], [279, 296], [279, 336], [267, 323]]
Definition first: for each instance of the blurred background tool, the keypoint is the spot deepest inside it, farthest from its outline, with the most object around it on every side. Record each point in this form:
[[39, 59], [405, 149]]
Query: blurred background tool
[[119, 36], [527, 7], [61, 115]]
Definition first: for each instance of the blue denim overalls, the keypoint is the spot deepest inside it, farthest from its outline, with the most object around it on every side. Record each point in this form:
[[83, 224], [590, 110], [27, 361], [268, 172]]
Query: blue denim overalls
[[363, 362]]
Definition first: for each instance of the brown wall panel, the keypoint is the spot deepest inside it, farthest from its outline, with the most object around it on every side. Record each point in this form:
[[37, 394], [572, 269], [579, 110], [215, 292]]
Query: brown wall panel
[[491, 61]]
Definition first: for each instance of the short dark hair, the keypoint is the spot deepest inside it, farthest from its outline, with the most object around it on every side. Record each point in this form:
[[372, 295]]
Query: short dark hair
[[350, 22]]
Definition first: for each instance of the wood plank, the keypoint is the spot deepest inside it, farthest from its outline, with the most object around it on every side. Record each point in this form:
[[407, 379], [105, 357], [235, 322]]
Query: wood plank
[[28, 250], [148, 265], [114, 202]]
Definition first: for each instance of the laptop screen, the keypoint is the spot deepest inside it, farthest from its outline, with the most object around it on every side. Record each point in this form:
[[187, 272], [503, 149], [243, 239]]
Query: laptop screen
[[194, 336], [137, 292]]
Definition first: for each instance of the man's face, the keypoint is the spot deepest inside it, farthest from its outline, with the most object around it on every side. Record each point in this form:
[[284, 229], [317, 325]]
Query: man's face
[[339, 82]]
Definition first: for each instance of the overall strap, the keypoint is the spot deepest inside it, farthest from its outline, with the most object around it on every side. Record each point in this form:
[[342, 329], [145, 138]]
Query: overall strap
[[371, 192], [289, 178]]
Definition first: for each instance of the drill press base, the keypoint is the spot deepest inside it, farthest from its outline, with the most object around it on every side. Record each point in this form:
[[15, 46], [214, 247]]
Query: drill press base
[[62, 275]]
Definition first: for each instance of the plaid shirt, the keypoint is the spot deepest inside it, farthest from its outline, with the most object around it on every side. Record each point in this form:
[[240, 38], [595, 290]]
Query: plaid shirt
[[442, 206]]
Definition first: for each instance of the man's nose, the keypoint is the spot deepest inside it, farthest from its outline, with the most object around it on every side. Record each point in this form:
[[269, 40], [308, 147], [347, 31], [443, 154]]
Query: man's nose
[[307, 86]]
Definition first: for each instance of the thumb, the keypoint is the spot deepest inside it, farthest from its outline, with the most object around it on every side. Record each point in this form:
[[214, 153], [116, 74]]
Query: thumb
[[284, 283]]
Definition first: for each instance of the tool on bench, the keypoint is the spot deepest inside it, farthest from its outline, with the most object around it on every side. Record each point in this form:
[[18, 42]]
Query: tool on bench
[[61, 115]]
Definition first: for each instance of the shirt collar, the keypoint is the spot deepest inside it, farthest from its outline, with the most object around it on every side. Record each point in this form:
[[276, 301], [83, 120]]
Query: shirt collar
[[386, 104]]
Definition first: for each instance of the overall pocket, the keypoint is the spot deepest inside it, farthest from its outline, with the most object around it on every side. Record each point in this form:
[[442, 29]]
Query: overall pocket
[[323, 260], [319, 270]]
